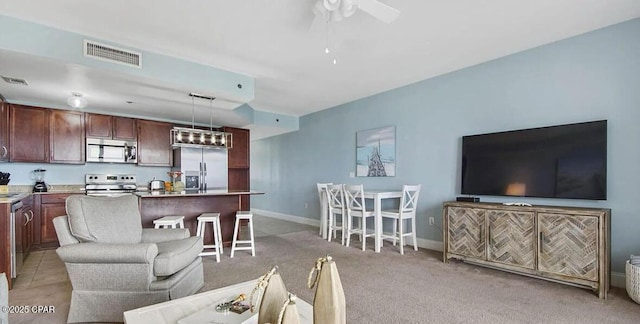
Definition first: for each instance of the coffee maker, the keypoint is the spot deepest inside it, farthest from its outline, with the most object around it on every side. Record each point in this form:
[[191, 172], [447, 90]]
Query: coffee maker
[[40, 186]]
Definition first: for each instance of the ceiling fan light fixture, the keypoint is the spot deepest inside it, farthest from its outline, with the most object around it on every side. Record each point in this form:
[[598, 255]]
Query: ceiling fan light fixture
[[76, 100]]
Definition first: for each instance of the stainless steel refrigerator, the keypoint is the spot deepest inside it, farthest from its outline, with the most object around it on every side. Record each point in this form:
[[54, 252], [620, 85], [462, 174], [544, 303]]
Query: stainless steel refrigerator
[[202, 168]]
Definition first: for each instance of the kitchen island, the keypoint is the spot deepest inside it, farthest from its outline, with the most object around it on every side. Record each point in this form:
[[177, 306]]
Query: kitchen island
[[154, 205]]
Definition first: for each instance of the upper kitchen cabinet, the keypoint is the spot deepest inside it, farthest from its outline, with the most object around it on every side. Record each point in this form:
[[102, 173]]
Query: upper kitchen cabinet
[[111, 127], [239, 153], [67, 141], [4, 131], [154, 143], [28, 134]]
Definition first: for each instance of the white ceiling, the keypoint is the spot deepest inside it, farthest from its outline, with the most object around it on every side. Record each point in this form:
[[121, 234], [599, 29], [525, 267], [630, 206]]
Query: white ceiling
[[272, 41]]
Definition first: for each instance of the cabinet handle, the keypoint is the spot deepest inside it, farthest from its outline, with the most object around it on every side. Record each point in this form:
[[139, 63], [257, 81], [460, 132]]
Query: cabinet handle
[[26, 217], [540, 242], [4, 151], [31, 213]]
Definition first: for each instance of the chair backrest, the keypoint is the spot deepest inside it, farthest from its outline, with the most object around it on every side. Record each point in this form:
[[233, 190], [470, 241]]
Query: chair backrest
[[355, 197], [409, 199], [104, 219], [335, 196], [322, 187]]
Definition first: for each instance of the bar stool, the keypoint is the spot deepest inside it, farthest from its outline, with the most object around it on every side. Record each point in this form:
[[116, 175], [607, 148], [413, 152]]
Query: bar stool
[[240, 216], [214, 219], [169, 222]]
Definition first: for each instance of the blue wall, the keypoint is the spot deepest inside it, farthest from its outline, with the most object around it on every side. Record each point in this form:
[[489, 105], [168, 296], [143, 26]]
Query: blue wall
[[589, 77]]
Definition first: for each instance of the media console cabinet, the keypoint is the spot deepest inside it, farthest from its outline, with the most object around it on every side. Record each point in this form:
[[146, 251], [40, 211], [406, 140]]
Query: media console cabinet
[[570, 245]]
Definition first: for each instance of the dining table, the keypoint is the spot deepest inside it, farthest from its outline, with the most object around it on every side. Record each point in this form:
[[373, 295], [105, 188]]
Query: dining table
[[378, 195]]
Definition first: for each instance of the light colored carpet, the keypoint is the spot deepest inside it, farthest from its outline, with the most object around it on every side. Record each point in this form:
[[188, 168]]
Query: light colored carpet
[[380, 288], [419, 288]]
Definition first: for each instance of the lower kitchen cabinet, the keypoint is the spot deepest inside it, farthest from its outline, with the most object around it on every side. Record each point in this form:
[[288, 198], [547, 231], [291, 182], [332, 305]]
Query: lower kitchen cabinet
[[565, 244], [52, 206]]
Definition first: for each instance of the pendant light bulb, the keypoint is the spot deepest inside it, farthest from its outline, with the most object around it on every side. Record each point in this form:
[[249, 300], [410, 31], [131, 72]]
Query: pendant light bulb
[[326, 50], [335, 61]]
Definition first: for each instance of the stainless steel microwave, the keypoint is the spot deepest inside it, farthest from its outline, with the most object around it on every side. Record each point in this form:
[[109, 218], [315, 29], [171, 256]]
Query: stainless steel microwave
[[111, 151]]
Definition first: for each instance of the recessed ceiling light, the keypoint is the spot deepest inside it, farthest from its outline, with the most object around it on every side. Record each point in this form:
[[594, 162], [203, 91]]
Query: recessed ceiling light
[[15, 80]]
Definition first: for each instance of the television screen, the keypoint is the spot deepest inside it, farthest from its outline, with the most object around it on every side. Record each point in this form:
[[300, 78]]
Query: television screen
[[564, 161]]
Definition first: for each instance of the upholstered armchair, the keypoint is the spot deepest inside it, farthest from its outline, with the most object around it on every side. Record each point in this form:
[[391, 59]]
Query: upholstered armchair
[[115, 265]]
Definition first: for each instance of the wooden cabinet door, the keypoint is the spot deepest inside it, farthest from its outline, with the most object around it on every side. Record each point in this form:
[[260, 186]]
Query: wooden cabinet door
[[28, 134], [154, 143], [511, 238], [67, 136], [568, 245], [466, 234], [98, 126], [4, 131], [124, 129], [49, 212], [238, 155]]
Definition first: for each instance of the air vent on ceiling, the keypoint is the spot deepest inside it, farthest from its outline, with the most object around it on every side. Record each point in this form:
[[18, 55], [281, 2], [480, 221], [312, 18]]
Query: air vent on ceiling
[[112, 54], [15, 80]]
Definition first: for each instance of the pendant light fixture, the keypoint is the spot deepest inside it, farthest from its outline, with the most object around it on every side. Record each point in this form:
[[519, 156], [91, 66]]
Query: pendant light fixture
[[192, 137]]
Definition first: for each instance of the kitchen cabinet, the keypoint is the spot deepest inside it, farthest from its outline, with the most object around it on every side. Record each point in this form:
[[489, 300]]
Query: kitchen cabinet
[[28, 134], [564, 244], [26, 215], [51, 206], [238, 162], [154, 143], [111, 127], [4, 131], [66, 134], [239, 154]]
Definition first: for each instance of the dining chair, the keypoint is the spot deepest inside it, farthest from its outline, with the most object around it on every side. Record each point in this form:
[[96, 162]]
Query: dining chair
[[405, 212], [356, 208], [335, 196], [324, 208]]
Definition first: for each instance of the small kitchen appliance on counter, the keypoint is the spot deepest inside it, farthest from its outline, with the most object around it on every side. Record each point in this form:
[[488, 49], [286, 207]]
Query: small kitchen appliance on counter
[[38, 175], [156, 185], [110, 184]]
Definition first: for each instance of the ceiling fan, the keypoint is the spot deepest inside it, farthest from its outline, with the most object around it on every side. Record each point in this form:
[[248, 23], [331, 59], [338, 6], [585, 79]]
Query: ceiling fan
[[336, 10]]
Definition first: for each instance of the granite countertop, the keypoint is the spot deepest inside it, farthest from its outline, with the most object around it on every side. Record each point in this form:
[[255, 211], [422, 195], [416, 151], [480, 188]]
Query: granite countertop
[[223, 192], [12, 197]]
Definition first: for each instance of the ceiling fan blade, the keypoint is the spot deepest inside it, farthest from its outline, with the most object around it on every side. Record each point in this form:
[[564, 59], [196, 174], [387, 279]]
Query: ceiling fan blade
[[379, 10]]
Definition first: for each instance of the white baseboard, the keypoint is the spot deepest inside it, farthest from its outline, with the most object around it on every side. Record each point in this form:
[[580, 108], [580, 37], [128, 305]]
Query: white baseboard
[[618, 279], [423, 243], [287, 217]]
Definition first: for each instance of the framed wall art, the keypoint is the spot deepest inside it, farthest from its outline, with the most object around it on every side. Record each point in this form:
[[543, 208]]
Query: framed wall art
[[376, 152]]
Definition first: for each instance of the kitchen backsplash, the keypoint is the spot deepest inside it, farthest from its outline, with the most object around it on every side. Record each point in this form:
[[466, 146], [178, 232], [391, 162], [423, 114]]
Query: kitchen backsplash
[[73, 174]]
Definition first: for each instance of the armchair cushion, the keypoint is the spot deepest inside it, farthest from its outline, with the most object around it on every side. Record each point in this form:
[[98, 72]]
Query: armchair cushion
[[156, 235], [175, 255], [104, 219]]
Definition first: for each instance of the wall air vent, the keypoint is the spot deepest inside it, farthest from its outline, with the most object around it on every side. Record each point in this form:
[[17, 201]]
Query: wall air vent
[[15, 80], [112, 54]]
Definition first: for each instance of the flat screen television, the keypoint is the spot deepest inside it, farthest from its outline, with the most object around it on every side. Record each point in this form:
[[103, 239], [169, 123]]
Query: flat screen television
[[564, 161]]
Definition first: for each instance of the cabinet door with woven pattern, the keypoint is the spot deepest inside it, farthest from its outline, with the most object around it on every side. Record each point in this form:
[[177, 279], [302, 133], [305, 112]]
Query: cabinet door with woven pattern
[[512, 238], [466, 231], [568, 245]]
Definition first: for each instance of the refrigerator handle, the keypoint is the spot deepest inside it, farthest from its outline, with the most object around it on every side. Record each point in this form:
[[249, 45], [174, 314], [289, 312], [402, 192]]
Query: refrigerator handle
[[201, 178], [204, 180]]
